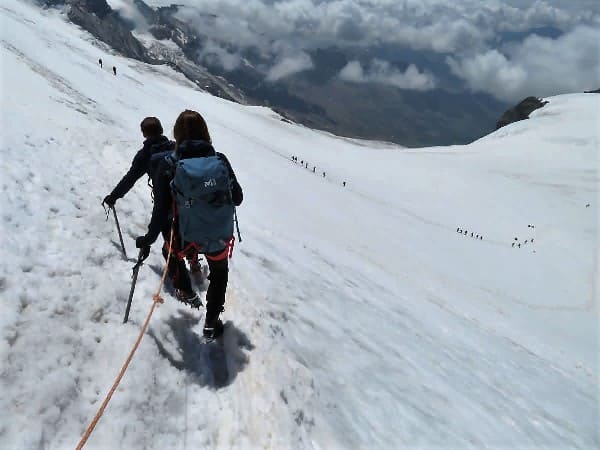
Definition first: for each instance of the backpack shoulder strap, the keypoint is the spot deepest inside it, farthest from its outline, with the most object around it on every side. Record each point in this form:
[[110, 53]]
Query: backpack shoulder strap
[[162, 146]]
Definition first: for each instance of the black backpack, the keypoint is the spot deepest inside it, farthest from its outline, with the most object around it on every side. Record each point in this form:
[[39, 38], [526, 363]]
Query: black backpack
[[158, 152]]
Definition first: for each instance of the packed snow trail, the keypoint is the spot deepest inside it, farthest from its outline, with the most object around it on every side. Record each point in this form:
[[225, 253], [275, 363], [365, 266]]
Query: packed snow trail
[[357, 317]]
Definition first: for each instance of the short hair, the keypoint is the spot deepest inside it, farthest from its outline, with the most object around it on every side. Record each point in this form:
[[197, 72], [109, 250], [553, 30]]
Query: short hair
[[151, 127], [190, 125]]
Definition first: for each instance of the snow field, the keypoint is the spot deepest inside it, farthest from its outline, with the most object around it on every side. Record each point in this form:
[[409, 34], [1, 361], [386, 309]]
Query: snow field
[[358, 316]]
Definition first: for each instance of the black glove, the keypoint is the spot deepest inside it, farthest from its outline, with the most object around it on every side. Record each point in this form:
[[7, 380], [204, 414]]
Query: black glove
[[141, 242], [109, 200], [144, 253]]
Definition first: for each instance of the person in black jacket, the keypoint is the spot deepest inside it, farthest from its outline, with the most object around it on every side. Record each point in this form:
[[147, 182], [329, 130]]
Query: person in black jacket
[[154, 143], [192, 141]]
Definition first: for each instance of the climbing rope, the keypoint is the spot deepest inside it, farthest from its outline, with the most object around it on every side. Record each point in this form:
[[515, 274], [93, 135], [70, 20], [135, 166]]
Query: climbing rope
[[156, 298]]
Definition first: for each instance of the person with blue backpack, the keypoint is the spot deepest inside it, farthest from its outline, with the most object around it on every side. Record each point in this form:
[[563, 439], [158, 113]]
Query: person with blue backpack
[[146, 161], [195, 195]]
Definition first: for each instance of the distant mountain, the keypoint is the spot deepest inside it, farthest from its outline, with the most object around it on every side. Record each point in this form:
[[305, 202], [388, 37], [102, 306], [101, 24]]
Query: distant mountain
[[317, 97]]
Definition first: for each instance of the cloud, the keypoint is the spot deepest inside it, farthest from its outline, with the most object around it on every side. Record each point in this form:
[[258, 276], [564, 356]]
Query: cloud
[[128, 11], [289, 65], [538, 66], [214, 54], [382, 72]]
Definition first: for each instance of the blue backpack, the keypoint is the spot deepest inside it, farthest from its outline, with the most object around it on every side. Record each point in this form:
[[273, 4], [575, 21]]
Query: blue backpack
[[202, 193]]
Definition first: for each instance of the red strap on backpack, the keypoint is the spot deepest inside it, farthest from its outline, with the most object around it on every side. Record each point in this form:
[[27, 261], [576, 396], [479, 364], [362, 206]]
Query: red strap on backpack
[[227, 251], [192, 250]]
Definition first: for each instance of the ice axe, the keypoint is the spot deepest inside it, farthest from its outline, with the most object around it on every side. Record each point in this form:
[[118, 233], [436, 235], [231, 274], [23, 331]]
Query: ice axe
[[119, 230], [118, 227], [140, 261]]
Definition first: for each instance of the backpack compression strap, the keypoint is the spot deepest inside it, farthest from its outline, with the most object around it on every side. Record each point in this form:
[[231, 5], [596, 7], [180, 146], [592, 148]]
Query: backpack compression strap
[[192, 249]]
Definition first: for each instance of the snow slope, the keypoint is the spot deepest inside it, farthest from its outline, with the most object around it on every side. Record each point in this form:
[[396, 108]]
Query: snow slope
[[357, 316]]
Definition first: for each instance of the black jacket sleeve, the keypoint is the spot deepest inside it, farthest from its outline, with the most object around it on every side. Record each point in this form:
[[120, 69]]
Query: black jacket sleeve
[[136, 171], [237, 194]]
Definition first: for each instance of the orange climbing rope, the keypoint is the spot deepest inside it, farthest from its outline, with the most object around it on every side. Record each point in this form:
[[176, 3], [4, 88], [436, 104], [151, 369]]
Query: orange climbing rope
[[156, 298]]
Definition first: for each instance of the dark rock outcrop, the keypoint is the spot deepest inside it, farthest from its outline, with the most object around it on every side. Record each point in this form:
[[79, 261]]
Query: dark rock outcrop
[[99, 19], [107, 26], [597, 91], [520, 112]]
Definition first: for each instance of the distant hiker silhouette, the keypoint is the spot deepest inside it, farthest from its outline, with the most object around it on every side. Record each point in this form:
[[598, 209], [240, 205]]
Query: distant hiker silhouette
[[323, 174], [344, 183], [196, 159], [114, 71], [100, 62], [314, 169]]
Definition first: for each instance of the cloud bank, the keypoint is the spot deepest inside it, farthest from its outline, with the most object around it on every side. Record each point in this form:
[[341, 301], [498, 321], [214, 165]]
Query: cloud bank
[[468, 32], [538, 66]]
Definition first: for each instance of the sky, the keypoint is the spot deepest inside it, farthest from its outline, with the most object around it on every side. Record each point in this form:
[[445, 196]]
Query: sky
[[468, 32], [357, 316]]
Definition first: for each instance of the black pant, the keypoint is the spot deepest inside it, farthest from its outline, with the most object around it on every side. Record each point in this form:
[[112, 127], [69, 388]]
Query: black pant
[[217, 286], [177, 269], [218, 275]]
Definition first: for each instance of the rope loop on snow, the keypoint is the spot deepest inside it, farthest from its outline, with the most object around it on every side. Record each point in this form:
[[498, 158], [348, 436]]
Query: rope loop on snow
[[156, 299]]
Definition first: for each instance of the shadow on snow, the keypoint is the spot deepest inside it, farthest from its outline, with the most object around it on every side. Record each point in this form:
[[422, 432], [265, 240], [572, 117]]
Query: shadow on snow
[[214, 364]]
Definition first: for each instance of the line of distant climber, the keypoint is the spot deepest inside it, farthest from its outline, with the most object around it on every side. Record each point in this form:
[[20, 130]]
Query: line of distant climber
[[314, 169], [473, 235]]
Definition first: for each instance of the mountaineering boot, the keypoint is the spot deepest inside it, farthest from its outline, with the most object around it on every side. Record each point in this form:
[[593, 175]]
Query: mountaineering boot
[[189, 298], [213, 326], [214, 330]]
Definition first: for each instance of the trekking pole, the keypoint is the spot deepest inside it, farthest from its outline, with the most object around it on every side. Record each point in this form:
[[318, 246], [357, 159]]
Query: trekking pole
[[119, 230], [136, 269], [237, 225]]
